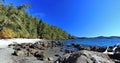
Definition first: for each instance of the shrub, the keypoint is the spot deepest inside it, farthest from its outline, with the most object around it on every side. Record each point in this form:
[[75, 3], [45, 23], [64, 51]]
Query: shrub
[[6, 33]]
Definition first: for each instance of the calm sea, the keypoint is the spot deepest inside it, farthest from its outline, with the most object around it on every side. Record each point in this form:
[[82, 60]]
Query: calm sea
[[94, 42]]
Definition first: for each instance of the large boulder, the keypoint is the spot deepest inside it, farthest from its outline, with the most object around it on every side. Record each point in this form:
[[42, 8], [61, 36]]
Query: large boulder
[[33, 51], [40, 56], [85, 56], [21, 53], [97, 48], [89, 48]]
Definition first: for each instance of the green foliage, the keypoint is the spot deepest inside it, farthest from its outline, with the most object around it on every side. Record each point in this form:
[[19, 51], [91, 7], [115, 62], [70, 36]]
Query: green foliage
[[26, 26], [51, 32]]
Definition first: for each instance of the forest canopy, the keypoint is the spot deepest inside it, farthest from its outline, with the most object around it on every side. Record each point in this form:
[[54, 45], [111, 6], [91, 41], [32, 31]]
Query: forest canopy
[[15, 22]]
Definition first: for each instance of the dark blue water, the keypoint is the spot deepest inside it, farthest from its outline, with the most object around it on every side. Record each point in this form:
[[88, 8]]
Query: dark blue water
[[93, 42]]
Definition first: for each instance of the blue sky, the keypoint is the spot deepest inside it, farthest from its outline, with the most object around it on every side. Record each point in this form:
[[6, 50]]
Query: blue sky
[[78, 17]]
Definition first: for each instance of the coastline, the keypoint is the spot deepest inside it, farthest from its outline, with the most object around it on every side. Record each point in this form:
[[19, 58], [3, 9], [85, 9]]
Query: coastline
[[56, 54]]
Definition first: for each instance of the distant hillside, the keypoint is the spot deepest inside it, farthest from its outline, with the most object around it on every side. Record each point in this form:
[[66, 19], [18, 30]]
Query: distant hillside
[[15, 22], [101, 37], [110, 37]]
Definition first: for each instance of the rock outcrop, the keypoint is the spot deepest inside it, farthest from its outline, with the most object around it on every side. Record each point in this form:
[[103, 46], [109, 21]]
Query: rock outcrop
[[34, 49], [89, 48], [85, 56]]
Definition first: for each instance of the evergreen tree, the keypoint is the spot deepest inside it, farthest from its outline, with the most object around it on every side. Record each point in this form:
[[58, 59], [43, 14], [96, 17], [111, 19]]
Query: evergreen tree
[[23, 25]]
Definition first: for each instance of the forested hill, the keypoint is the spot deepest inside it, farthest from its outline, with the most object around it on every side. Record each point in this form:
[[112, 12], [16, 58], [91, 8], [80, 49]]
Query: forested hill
[[15, 22]]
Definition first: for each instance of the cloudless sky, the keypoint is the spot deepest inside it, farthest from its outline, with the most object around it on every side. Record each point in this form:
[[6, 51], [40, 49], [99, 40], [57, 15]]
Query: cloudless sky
[[78, 17]]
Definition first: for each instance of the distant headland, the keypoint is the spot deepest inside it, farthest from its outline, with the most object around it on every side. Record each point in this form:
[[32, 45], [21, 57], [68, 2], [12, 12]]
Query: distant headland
[[101, 37]]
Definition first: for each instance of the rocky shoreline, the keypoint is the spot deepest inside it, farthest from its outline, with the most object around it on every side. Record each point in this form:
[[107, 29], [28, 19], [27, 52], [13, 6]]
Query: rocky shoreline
[[58, 52], [40, 50], [90, 54]]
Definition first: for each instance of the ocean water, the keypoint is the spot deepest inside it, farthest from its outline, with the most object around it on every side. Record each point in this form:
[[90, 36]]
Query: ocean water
[[94, 42]]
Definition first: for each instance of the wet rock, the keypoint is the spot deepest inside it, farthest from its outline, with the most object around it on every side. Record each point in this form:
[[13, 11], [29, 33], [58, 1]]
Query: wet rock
[[117, 49], [89, 48], [115, 56], [61, 50], [57, 55], [76, 45], [96, 48], [92, 48], [68, 51]]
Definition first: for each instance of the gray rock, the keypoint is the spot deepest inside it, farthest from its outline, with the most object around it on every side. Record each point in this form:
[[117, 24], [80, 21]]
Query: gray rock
[[50, 58], [83, 59], [85, 56], [22, 53]]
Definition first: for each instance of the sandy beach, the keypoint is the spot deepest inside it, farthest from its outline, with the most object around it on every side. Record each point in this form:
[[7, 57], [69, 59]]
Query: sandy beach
[[5, 42]]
